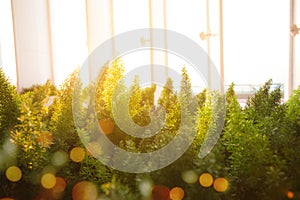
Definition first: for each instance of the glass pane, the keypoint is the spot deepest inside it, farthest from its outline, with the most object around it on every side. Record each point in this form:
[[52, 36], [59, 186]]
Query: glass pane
[[68, 36], [297, 46], [188, 19], [127, 17], [7, 45], [256, 41]]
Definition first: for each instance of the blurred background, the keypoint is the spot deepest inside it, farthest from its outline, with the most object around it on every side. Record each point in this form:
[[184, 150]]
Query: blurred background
[[249, 42]]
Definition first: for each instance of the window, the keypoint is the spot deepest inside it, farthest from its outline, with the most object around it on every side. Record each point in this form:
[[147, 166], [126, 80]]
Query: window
[[69, 39], [256, 41], [7, 45]]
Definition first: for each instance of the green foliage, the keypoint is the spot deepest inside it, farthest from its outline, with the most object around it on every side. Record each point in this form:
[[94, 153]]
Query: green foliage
[[36, 87], [62, 123], [108, 80], [257, 152], [9, 105], [117, 190], [186, 98], [209, 122], [67, 134], [293, 111], [291, 140], [263, 103], [248, 141], [32, 134], [109, 84], [203, 118], [93, 170], [140, 102], [170, 103]]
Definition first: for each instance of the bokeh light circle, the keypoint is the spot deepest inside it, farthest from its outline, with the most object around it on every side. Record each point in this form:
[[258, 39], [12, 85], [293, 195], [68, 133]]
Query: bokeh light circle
[[290, 195], [13, 173], [160, 192], [84, 190], [60, 185], [59, 158], [106, 125], [206, 180], [77, 154], [177, 193], [189, 176], [221, 184], [48, 181], [145, 187]]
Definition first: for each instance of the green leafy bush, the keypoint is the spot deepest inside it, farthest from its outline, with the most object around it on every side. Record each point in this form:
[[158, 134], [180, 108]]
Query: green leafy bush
[[9, 105], [32, 137], [257, 152]]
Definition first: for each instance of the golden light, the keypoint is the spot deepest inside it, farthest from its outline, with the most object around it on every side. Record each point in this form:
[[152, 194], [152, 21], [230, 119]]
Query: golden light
[[48, 181], [290, 195], [177, 193], [59, 158], [160, 192], [14, 174], [7, 199], [84, 191], [45, 139], [107, 126], [77, 154], [189, 176], [221, 184], [206, 180]]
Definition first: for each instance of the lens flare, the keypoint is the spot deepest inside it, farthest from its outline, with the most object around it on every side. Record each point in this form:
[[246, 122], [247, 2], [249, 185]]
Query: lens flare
[[77, 154], [48, 181], [221, 184], [177, 193], [14, 174], [206, 180], [84, 191], [189, 176]]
